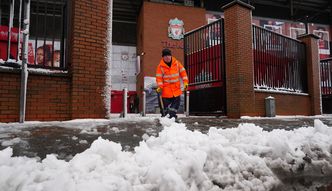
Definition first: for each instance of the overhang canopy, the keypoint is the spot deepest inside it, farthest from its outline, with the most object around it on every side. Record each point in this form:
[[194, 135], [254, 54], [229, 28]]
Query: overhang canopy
[[314, 11]]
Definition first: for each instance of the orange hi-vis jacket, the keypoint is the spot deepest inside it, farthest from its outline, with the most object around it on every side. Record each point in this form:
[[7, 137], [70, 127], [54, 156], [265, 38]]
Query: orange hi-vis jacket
[[168, 78]]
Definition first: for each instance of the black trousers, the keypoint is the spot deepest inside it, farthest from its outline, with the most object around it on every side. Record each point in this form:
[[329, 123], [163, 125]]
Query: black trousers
[[171, 106]]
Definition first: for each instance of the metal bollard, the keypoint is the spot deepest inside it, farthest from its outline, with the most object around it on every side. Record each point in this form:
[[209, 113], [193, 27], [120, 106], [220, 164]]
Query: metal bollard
[[125, 103], [144, 104], [187, 103], [270, 106]]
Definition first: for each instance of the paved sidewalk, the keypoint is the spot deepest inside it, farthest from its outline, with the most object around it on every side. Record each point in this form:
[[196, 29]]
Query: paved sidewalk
[[268, 124]]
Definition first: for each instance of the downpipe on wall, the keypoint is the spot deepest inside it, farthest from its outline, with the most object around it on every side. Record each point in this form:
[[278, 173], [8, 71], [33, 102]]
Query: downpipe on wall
[[24, 71]]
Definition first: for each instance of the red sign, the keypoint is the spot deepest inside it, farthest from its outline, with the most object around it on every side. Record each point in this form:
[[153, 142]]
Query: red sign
[[4, 34]]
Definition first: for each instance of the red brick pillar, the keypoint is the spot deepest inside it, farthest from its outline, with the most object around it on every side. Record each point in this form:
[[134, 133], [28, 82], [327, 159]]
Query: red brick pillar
[[88, 58], [239, 60], [313, 71]]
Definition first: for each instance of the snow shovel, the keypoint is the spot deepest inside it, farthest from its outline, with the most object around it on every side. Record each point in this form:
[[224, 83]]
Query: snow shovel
[[162, 109]]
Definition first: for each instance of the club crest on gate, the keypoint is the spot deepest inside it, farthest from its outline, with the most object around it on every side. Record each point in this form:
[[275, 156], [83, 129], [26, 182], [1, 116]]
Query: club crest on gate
[[175, 29]]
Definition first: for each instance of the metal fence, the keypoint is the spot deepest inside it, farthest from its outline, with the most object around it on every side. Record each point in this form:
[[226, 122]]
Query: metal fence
[[204, 60], [205, 65], [47, 41], [326, 76], [279, 62]]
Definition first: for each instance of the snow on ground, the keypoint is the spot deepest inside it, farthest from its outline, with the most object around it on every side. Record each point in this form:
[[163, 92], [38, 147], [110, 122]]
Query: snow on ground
[[76, 123], [243, 158]]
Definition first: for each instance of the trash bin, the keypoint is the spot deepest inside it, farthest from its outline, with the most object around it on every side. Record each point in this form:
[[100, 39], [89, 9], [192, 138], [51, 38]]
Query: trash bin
[[270, 107], [117, 101]]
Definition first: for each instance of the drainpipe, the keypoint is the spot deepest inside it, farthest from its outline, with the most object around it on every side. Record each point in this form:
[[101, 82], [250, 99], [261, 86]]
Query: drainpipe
[[108, 86], [11, 18], [291, 9], [306, 24], [19, 35], [24, 71]]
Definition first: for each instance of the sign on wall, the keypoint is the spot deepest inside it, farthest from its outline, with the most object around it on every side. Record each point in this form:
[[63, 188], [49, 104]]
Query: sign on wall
[[176, 29], [175, 33], [323, 42]]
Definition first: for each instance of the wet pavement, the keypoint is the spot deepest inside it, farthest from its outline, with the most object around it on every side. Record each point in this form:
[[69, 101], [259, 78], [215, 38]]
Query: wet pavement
[[268, 124], [66, 142]]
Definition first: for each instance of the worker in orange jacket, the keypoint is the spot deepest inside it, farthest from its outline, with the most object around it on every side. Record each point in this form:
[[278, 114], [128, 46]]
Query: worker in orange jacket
[[168, 76]]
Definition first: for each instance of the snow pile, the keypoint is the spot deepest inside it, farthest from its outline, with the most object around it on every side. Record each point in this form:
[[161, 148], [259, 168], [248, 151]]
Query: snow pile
[[243, 158], [12, 142]]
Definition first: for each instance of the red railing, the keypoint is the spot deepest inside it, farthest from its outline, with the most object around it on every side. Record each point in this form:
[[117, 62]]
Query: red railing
[[204, 62], [204, 56], [326, 76], [279, 62]]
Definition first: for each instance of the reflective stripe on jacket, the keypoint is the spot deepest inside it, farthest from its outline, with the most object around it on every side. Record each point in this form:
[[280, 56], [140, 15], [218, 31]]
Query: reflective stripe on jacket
[[168, 78]]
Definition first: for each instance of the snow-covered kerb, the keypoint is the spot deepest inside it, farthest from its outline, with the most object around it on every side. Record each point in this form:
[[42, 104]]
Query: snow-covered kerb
[[107, 89], [243, 158]]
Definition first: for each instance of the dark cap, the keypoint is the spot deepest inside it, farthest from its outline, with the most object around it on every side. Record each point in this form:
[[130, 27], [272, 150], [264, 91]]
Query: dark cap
[[166, 52]]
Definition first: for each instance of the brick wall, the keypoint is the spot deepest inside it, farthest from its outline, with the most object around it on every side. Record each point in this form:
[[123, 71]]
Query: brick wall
[[313, 72], [239, 60], [286, 104], [153, 34], [48, 97], [88, 61], [139, 50], [9, 97], [241, 98], [78, 94]]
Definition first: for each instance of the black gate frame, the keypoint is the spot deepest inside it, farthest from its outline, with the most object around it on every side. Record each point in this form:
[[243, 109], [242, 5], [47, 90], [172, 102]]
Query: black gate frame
[[204, 58], [326, 84]]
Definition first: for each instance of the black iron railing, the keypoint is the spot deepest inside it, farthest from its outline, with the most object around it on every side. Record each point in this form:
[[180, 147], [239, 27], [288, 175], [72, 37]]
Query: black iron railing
[[326, 76], [279, 62], [204, 55]]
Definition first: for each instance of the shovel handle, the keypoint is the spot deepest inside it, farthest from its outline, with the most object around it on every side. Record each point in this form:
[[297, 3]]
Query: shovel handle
[[161, 101]]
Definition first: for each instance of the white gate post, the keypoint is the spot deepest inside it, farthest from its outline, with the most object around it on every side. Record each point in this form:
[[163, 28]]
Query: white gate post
[[187, 103]]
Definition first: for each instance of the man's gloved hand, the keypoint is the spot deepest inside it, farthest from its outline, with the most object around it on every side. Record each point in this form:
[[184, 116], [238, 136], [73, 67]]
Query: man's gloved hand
[[185, 86], [158, 90]]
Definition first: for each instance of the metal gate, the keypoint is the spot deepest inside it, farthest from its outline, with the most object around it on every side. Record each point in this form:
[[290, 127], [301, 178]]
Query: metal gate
[[205, 65], [326, 84]]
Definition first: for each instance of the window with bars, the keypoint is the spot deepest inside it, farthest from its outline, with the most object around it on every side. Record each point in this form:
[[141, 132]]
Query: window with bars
[[47, 37]]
